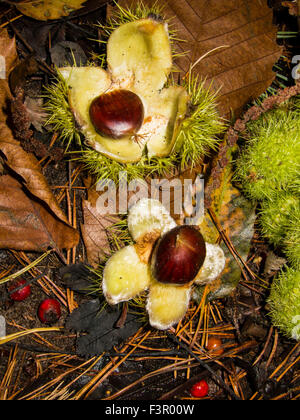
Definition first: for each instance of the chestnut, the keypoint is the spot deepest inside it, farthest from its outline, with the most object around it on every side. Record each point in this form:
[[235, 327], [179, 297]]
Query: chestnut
[[117, 114], [178, 256]]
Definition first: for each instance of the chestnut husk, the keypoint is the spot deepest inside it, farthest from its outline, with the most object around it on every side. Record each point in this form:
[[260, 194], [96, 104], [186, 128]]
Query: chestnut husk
[[117, 114], [178, 256]]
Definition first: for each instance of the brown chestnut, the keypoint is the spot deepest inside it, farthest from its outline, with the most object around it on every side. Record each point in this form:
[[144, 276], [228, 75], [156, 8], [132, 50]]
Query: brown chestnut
[[117, 114], [178, 256]]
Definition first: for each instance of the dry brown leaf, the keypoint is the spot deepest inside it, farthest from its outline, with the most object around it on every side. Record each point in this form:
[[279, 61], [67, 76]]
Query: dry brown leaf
[[241, 68], [36, 112], [95, 233], [22, 163], [96, 229], [9, 60], [26, 165], [25, 224]]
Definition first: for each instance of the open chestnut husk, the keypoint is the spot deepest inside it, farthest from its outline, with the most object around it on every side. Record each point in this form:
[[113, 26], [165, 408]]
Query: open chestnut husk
[[178, 256], [117, 114]]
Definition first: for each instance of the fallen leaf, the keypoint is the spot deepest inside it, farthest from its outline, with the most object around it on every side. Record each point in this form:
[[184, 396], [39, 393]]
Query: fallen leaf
[[36, 113], [241, 39], [293, 7], [100, 325], [48, 9], [65, 53], [26, 166], [236, 216], [25, 224], [79, 278], [273, 264], [9, 59], [96, 229], [23, 164], [21, 71]]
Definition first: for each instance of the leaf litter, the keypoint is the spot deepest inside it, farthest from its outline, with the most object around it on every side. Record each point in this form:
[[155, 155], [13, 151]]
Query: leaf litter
[[257, 363]]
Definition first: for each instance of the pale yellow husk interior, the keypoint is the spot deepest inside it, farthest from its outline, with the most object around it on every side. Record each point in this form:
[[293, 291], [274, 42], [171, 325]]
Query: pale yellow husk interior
[[124, 276], [167, 304], [139, 59]]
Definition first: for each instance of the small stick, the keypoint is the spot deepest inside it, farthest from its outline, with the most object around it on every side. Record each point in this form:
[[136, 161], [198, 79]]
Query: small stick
[[217, 378]]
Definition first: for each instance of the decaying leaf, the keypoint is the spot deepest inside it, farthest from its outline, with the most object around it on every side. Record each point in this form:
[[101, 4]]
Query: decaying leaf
[[21, 71], [36, 113], [49, 9], [100, 325], [26, 166], [236, 217], [32, 182], [241, 39], [9, 60], [95, 229], [78, 277], [25, 224]]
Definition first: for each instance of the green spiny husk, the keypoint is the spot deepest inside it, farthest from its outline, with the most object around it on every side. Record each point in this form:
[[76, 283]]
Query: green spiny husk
[[61, 118], [291, 243], [197, 136], [270, 160], [200, 130], [276, 214], [284, 302]]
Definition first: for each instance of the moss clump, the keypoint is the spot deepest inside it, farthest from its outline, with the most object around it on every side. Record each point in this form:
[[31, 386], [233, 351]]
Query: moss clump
[[284, 303], [270, 160]]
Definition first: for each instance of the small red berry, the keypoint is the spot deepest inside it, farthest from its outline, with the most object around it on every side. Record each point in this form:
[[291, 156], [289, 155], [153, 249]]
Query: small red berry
[[49, 311], [20, 294], [200, 389]]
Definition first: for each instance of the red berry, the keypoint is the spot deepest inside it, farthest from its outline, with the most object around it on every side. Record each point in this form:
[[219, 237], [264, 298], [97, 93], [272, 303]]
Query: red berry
[[200, 389], [49, 311], [20, 294]]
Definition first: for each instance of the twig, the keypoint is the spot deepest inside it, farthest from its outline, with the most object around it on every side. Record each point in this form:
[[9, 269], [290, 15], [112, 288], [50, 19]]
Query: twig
[[215, 376]]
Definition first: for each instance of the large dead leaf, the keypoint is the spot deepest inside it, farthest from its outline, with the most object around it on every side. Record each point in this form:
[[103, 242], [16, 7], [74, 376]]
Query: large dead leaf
[[26, 166], [99, 231], [242, 30], [96, 233], [20, 162], [25, 224], [48, 9], [228, 216]]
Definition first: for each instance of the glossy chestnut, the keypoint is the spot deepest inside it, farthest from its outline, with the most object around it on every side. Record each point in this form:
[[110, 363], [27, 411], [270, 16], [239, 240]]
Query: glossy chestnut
[[117, 114], [178, 256]]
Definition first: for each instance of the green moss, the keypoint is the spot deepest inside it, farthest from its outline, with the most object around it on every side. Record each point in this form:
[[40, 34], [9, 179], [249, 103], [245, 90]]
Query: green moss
[[276, 214], [270, 160], [284, 303]]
